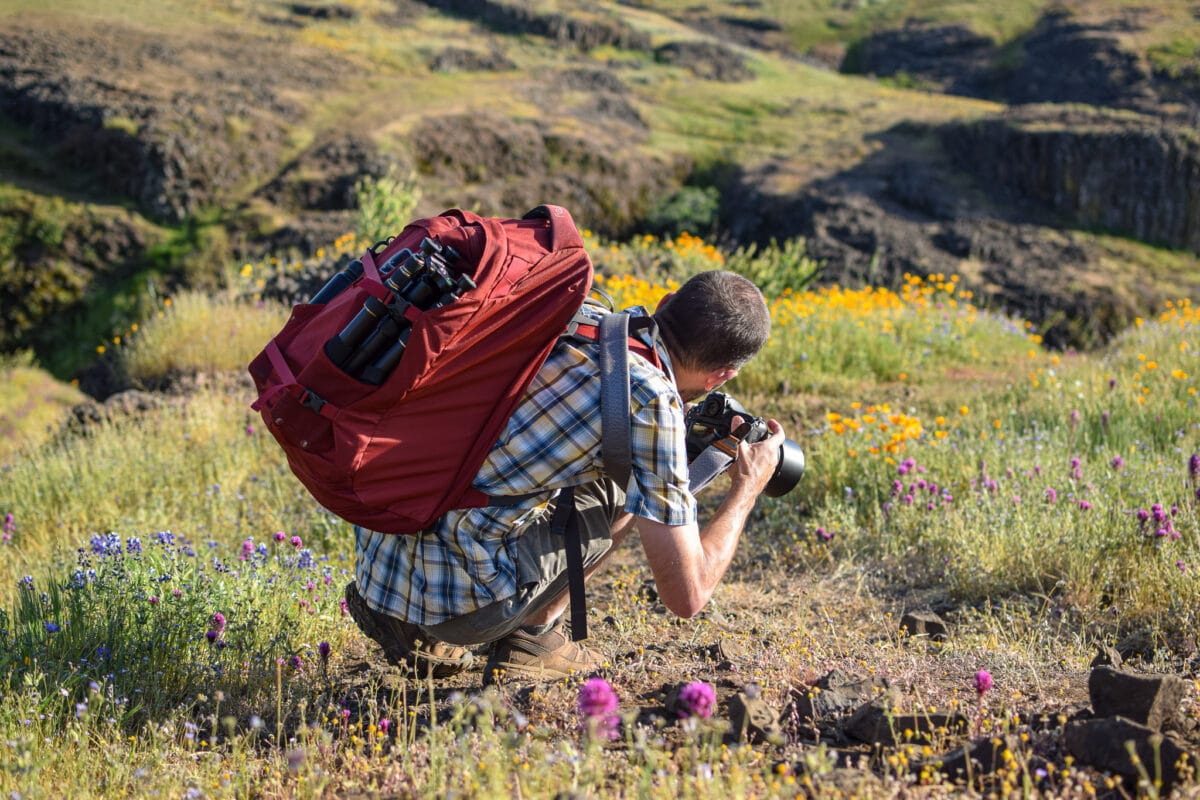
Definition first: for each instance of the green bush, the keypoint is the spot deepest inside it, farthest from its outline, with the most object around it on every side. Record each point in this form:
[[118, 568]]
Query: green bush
[[385, 205]]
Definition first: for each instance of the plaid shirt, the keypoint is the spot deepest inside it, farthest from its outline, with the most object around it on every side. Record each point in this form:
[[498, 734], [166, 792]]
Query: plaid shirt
[[465, 561]]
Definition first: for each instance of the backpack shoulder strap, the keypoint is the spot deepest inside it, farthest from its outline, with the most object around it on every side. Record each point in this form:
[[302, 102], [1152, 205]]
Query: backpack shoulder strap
[[615, 445]]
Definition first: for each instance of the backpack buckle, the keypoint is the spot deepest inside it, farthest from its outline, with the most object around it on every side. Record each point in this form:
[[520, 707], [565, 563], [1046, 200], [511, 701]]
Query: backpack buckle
[[310, 399]]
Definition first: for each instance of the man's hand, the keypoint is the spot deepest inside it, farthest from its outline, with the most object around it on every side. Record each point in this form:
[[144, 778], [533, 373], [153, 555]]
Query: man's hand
[[756, 462]]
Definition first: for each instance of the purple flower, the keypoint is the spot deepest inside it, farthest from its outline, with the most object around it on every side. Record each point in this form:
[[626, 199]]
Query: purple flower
[[280, 536], [906, 466], [1084, 505], [295, 541], [1158, 512], [1051, 496], [697, 699], [1076, 469], [249, 430], [598, 705], [823, 534], [1193, 473], [983, 682], [10, 526], [1074, 419], [384, 724], [323, 650], [1112, 383], [211, 636], [218, 621], [296, 662], [1117, 463], [52, 627]]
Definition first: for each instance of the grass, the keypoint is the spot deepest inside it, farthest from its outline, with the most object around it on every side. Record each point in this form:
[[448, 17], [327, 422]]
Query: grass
[[1047, 499]]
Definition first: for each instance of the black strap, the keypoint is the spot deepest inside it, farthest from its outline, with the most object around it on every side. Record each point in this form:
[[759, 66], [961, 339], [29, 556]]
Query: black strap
[[615, 446], [565, 522]]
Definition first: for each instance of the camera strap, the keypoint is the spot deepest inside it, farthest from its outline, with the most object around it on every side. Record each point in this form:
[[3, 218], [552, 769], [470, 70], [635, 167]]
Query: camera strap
[[704, 469]]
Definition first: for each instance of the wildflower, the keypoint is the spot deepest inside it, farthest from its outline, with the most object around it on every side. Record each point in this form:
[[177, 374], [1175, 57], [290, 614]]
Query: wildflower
[[1193, 473], [983, 682], [296, 662], [906, 466], [133, 546], [1074, 419], [323, 650], [1117, 463], [1051, 496], [10, 526], [598, 704], [1076, 469], [211, 636], [247, 549], [1182, 567], [280, 536], [1084, 505], [296, 541], [52, 627], [249, 430], [153, 600], [823, 534], [218, 621], [384, 724], [1158, 513], [697, 699]]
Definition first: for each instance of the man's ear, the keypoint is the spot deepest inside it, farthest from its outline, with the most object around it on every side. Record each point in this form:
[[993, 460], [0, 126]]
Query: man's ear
[[663, 301], [718, 377]]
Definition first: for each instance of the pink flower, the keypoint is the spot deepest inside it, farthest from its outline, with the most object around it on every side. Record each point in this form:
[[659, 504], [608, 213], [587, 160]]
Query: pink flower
[[598, 703], [1117, 463], [1051, 496], [1084, 505], [296, 541], [384, 724], [280, 536], [218, 621], [983, 682], [697, 699]]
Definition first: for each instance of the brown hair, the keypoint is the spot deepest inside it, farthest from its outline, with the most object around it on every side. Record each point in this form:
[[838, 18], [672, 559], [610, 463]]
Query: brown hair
[[717, 319]]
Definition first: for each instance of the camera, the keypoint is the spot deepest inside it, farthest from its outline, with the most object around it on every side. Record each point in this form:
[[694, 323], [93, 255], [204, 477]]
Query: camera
[[710, 423]]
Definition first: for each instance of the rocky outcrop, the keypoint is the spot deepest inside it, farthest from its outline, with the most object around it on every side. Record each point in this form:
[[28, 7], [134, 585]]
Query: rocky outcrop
[[508, 167], [171, 145], [582, 31], [1061, 59], [1120, 173]]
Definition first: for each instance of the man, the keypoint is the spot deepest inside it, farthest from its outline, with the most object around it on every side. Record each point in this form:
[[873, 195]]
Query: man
[[498, 575]]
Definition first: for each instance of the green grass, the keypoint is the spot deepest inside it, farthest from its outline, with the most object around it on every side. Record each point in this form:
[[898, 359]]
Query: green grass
[[917, 387]]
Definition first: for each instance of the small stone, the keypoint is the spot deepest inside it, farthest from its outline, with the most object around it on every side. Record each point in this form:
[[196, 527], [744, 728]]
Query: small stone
[[1103, 743], [925, 623], [752, 720], [1155, 701]]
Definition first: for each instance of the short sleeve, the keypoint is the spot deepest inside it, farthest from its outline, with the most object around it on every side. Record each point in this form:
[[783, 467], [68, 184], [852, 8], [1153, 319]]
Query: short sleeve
[[658, 485]]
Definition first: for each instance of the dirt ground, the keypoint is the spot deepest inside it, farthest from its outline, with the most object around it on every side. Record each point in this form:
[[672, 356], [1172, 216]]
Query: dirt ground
[[788, 620]]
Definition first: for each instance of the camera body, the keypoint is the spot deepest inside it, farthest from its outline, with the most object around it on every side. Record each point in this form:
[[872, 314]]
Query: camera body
[[710, 423]]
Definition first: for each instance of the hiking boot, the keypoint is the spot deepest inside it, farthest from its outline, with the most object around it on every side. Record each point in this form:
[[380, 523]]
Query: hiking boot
[[404, 645], [548, 656]]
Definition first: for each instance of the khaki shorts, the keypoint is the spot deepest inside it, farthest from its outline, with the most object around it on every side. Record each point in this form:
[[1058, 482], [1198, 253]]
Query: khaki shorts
[[541, 558]]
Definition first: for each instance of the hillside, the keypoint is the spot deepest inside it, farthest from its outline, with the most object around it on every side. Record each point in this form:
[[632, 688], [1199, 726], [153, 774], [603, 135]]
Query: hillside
[[1042, 153]]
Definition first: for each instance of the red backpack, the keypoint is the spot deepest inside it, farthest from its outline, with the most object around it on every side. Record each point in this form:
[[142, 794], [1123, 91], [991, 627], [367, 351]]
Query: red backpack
[[394, 450]]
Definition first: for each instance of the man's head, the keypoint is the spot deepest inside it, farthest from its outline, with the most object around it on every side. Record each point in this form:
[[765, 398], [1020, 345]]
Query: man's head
[[712, 326]]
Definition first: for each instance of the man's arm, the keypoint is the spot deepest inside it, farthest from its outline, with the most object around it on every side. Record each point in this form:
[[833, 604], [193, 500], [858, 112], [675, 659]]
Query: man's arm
[[689, 562]]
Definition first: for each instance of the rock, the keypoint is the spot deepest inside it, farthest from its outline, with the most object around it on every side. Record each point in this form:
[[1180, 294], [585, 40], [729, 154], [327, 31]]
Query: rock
[[876, 723], [1155, 701], [1102, 743], [979, 758], [1117, 171], [925, 623], [751, 719], [705, 60], [834, 694], [1107, 656]]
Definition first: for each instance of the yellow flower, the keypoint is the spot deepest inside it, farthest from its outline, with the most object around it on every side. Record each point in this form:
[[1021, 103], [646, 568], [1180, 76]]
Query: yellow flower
[[964, 410], [1179, 374]]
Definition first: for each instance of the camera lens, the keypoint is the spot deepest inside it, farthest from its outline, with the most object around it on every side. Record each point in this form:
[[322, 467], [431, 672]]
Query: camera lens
[[788, 471]]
